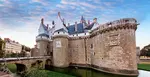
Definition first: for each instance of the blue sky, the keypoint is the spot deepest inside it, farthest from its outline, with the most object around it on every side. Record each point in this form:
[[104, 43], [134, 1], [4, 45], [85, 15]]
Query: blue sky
[[20, 19]]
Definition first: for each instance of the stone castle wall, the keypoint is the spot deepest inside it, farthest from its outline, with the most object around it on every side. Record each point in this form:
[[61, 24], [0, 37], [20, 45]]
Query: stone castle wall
[[77, 51], [60, 51], [42, 45], [110, 47]]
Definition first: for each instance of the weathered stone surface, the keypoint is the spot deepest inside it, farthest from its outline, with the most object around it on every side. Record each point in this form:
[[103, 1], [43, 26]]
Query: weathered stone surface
[[60, 52], [111, 45]]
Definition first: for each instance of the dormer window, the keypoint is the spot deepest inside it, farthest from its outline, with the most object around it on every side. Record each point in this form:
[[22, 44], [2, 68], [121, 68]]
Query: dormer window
[[126, 20]]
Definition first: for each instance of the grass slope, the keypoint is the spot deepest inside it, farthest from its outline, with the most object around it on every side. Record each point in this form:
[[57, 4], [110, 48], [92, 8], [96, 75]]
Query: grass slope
[[45, 73], [12, 67], [144, 67]]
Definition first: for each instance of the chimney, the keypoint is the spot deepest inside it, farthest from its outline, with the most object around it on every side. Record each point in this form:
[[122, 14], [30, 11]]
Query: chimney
[[76, 26], [88, 21], [42, 20], [95, 20], [68, 24], [47, 26], [59, 14], [53, 22]]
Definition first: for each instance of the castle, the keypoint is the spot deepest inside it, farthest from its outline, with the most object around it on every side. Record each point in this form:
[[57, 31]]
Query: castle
[[109, 47]]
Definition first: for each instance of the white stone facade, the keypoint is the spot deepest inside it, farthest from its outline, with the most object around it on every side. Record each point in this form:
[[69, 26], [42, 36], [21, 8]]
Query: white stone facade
[[12, 46]]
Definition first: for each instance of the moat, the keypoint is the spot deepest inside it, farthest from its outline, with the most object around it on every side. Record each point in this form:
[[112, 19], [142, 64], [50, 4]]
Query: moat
[[86, 72], [83, 72], [70, 72]]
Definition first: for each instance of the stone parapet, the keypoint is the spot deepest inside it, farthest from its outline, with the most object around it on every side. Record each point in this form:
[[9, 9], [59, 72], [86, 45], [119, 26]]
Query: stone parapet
[[126, 23], [60, 50], [60, 36], [42, 38], [78, 37]]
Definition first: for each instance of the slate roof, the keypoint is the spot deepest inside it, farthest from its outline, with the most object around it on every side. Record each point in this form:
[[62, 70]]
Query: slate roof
[[43, 35], [80, 28], [45, 29], [89, 27], [82, 18], [61, 30], [71, 28]]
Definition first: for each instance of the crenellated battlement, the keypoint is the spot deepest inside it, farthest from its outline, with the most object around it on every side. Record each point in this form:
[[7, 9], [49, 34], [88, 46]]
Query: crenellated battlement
[[79, 37], [38, 38], [114, 25]]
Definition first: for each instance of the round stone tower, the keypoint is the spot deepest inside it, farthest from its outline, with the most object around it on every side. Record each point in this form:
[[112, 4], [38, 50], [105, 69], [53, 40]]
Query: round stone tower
[[60, 48], [42, 40]]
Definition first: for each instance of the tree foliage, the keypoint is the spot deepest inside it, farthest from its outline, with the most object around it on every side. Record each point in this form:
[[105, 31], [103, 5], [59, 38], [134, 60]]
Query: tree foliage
[[2, 44], [145, 51], [2, 53]]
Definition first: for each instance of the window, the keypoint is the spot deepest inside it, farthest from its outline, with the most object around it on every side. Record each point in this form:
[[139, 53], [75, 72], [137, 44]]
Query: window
[[38, 45], [91, 46]]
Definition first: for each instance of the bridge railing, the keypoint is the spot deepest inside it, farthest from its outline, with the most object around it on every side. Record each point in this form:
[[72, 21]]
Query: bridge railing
[[22, 58]]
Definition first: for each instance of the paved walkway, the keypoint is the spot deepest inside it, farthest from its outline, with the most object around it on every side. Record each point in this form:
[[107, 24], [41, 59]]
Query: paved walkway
[[2, 74]]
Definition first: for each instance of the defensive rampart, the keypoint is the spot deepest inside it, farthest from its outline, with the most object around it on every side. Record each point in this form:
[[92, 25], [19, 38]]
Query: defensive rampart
[[109, 48]]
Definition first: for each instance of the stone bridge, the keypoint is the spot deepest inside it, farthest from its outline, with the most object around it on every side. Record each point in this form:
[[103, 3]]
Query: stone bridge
[[24, 63]]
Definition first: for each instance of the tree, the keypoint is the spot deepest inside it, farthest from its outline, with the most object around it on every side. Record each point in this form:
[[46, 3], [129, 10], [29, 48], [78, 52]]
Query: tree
[[22, 54], [145, 51], [2, 53], [2, 44]]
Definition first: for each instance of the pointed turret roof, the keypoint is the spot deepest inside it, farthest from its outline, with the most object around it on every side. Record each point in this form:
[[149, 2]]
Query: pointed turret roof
[[59, 23], [43, 30], [42, 24], [82, 18]]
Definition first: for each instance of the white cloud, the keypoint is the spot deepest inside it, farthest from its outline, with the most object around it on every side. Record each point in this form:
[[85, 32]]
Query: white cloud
[[87, 5], [1, 5], [43, 2], [71, 10], [77, 3], [69, 2], [24, 34], [60, 6]]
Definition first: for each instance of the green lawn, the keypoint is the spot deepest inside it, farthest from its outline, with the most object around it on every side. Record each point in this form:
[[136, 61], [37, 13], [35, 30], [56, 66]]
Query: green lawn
[[39, 73], [12, 67], [56, 74], [45, 73], [144, 67]]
